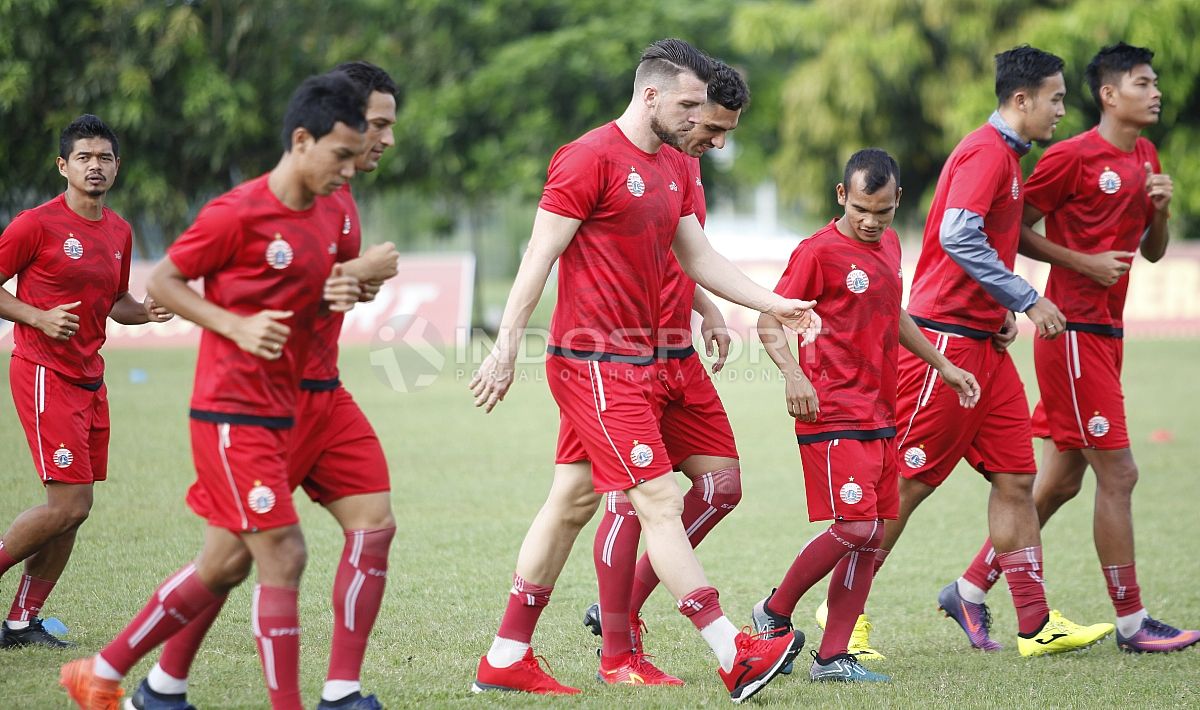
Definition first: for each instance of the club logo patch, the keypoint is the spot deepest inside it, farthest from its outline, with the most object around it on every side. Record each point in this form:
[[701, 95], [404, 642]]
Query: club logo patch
[[641, 455], [279, 253], [261, 499], [635, 184], [851, 493], [914, 457], [1098, 426], [72, 247], [346, 225], [1110, 182], [1016, 187], [857, 280], [63, 457]]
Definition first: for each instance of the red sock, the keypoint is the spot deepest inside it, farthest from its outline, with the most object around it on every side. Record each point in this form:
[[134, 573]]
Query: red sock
[[1023, 572], [711, 497], [818, 558], [357, 594], [31, 595], [180, 650], [525, 603], [702, 606], [275, 616], [615, 556], [848, 590], [176, 602], [984, 570], [7, 561], [1123, 588]]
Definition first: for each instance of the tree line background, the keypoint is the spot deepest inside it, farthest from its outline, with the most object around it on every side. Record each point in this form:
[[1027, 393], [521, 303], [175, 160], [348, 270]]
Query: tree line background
[[490, 88]]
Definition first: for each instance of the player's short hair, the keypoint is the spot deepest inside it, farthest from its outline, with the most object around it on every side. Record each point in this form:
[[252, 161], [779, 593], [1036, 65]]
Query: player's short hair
[[1111, 62], [876, 166], [86, 126], [322, 101], [663, 61], [727, 88], [369, 77], [1024, 67]]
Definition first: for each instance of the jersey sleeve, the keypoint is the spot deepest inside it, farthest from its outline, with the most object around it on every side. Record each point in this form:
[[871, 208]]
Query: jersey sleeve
[[350, 243], [802, 278], [688, 185], [572, 182], [210, 243], [19, 243], [127, 250], [1053, 180], [975, 182]]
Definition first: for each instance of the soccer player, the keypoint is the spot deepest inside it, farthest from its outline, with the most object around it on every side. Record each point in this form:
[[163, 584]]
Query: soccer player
[[335, 456], [1104, 197], [264, 252], [614, 204], [842, 395], [694, 426], [962, 293], [72, 256]]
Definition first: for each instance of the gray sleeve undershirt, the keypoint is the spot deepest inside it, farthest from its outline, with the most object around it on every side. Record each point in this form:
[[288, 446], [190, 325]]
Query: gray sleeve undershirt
[[963, 239]]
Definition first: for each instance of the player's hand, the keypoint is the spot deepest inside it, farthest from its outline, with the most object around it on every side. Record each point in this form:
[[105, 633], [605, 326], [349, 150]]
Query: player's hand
[[963, 383], [716, 337], [341, 290], [382, 261], [370, 289], [491, 383], [156, 313], [1007, 334], [799, 316], [801, 397], [1158, 187], [261, 334], [59, 322], [1048, 319], [1107, 267]]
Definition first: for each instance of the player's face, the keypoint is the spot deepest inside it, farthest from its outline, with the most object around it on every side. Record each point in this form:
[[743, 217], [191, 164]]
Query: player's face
[[677, 109], [867, 215], [90, 167], [328, 163], [1136, 96], [1046, 108], [715, 122], [381, 116]]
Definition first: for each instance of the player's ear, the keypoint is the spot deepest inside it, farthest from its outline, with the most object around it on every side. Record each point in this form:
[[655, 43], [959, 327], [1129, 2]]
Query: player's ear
[[61, 162], [899, 192], [300, 139], [841, 194]]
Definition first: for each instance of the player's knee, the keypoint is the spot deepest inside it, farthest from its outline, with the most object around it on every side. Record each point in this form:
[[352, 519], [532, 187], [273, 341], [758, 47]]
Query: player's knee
[[855, 534], [1118, 479], [574, 511], [722, 489]]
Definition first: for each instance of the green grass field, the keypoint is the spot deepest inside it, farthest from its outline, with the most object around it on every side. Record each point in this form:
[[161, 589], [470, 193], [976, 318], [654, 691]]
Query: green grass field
[[467, 485]]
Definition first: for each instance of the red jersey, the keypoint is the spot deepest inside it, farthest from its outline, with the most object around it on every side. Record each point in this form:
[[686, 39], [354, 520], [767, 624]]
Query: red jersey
[[610, 276], [61, 257], [322, 366], [675, 325], [983, 176], [852, 365], [1094, 198], [256, 254]]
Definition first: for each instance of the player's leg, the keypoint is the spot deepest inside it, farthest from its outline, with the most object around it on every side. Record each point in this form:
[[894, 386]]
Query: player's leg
[[849, 586], [280, 556], [614, 554]]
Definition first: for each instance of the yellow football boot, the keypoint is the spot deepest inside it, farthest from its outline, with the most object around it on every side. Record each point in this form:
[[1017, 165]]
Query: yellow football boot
[[1060, 634], [860, 641]]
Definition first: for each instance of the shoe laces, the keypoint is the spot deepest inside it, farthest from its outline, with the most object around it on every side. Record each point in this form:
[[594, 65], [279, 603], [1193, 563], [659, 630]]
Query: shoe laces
[[636, 629], [640, 662], [753, 643], [1158, 628], [985, 622], [534, 665]]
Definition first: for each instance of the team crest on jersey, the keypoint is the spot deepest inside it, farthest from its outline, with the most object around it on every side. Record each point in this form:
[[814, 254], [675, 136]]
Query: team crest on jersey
[[673, 186], [279, 253], [1110, 181], [1016, 187], [117, 255], [261, 499], [857, 280], [72, 247], [914, 457], [346, 225], [635, 184], [641, 455], [1098, 426], [63, 457], [851, 492]]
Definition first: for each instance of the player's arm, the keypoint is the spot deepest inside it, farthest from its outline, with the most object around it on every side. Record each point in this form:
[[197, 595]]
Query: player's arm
[[798, 391], [713, 330], [1105, 268], [127, 310], [710, 269], [958, 379], [260, 334], [551, 235], [58, 322], [1160, 189]]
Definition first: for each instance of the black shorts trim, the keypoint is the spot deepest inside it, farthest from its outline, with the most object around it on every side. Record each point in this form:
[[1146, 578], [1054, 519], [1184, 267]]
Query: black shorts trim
[[676, 353], [953, 329], [1096, 329], [599, 356], [320, 385], [852, 434], [201, 415], [90, 386]]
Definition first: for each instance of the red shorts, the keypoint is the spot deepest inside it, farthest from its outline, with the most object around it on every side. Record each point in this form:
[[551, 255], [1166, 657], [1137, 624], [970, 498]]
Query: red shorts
[[933, 432], [66, 425], [241, 476], [335, 452], [1079, 377], [609, 408], [849, 479], [691, 418]]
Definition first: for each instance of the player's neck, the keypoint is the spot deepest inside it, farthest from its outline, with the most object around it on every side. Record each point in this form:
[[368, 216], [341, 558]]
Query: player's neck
[[286, 183], [634, 124], [85, 205], [1015, 121], [1121, 134]]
